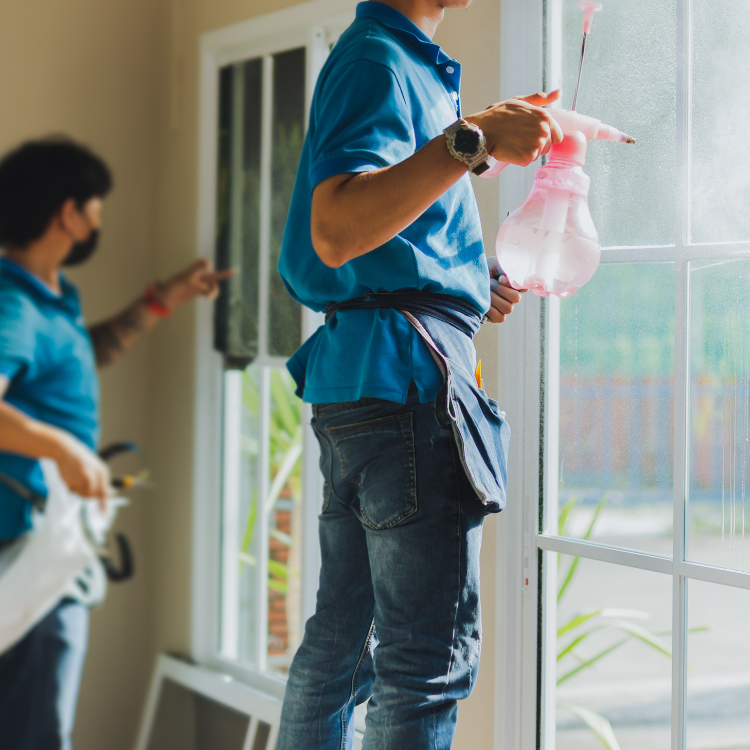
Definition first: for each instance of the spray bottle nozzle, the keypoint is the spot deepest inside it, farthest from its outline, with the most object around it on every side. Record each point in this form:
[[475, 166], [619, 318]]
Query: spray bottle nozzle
[[589, 7], [571, 122]]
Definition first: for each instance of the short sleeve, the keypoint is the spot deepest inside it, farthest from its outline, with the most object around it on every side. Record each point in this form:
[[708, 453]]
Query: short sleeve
[[16, 333], [362, 122]]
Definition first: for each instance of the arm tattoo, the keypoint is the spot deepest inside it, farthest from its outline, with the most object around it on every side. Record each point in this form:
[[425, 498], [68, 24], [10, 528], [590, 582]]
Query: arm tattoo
[[113, 337]]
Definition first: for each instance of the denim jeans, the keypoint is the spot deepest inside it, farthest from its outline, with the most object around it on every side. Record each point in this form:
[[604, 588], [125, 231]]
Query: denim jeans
[[398, 618], [39, 681]]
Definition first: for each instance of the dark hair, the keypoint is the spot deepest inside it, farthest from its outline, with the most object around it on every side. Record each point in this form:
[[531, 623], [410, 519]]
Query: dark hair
[[37, 178]]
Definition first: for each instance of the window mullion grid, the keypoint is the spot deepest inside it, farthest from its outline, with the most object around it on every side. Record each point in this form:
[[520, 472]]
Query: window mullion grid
[[260, 609], [549, 518], [230, 512], [682, 381], [233, 397], [631, 558], [680, 482], [262, 522], [266, 145], [676, 253]]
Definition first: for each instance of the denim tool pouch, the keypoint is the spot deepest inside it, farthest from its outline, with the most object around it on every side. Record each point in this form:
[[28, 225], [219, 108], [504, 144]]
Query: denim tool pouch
[[447, 325], [481, 432]]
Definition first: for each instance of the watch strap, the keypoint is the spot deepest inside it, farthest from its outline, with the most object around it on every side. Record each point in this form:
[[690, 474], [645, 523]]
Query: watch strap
[[476, 162]]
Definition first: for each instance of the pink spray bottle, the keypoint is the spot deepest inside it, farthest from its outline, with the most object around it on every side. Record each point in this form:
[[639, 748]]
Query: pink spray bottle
[[550, 244]]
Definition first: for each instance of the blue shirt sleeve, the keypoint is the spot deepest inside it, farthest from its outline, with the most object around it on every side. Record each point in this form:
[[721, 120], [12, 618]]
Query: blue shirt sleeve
[[363, 122], [17, 337]]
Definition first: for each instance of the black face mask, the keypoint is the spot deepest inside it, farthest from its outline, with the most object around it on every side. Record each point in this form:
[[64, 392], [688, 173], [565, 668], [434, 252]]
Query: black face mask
[[82, 251]]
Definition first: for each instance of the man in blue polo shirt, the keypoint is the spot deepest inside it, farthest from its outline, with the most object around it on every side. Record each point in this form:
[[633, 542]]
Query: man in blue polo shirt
[[51, 195], [384, 202]]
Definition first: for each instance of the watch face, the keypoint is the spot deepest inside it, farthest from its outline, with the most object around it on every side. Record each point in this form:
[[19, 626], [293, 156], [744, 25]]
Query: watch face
[[466, 141]]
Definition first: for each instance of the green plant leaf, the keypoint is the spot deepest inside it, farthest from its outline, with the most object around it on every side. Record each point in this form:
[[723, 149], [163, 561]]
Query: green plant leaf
[[562, 519], [283, 405], [278, 569], [642, 635], [252, 515], [590, 662], [569, 648], [599, 509], [574, 562], [596, 723], [275, 585], [250, 394], [288, 465], [577, 620], [636, 631]]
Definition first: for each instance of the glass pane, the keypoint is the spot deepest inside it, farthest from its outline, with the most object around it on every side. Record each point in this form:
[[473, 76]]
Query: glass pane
[[617, 408], [613, 656], [629, 81], [718, 675], [238, 210], [285, 315], [720, 179], [240, 494], [262, 477], [284, 508], [720, 413]]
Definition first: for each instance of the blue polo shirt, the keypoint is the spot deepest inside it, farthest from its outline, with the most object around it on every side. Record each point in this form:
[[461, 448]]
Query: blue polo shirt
[[385, 91], [46, 354]]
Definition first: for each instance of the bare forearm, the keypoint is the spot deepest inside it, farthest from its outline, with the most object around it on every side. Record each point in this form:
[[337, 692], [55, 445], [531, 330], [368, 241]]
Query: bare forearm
[[354, 214], [21, 434], [112, 338]]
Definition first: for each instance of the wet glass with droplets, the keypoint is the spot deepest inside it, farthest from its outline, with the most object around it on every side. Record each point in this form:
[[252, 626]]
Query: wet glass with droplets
[[719, 478], [629, 81], [719, 114], [617, 408]]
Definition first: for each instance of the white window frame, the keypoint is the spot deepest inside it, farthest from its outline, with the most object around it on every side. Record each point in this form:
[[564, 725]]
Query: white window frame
[[531, 340], [314, 25]]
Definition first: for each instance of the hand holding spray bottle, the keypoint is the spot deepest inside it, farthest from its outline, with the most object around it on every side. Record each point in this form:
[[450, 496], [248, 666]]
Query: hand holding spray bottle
[[550, 244]]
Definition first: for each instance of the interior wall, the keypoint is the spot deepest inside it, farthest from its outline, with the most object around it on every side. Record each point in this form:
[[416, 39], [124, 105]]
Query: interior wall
[[85, 68]]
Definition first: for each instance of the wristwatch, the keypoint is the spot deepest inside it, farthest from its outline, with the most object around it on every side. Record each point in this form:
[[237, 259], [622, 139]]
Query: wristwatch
[[466, 143]]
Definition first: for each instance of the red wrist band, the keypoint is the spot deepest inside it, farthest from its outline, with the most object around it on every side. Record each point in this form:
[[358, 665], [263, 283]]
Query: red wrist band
[[154, 304]]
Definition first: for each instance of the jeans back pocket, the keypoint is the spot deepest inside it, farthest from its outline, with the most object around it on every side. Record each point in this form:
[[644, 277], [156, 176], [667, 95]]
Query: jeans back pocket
[[378, 457]]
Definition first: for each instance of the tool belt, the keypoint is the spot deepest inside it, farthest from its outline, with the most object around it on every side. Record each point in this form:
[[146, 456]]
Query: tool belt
[[447, 325]]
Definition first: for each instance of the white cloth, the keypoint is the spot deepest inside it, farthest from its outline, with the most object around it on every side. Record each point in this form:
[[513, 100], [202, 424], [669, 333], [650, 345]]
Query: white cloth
[[38, 569]]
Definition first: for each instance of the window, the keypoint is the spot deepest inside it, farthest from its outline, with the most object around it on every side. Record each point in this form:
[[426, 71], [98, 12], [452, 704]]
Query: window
[[257, 498], [635, 445], [263, 434]]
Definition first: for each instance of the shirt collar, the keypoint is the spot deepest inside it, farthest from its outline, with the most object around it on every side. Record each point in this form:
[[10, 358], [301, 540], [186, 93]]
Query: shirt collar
[[405, 28], [19, 273]]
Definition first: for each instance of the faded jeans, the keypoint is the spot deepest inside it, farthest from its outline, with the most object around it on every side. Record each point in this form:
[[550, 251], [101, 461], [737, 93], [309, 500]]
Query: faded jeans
[[398, 617], [39, 681]]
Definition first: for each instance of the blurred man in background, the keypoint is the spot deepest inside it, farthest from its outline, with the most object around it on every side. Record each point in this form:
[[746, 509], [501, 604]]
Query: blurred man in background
[[51, 203]]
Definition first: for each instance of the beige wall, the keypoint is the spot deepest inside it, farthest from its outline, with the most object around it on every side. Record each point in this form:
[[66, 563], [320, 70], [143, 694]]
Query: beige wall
[[123, 77], [85, 68]]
